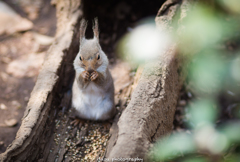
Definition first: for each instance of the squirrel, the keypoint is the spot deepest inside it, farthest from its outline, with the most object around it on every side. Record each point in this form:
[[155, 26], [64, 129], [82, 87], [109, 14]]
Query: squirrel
[[93, 88]]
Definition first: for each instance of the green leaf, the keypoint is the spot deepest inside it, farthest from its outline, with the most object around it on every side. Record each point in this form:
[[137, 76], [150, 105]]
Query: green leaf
[[202, 113], [232, 5], [207, 72], [202, 29], [174, 146], [231, 131], [195, 159]]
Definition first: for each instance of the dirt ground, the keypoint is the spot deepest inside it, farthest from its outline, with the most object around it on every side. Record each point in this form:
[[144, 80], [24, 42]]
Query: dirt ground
[[21, 56]]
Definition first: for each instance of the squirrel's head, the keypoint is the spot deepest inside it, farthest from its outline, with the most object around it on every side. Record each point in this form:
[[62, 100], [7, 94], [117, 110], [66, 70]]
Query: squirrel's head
[[90, 56]]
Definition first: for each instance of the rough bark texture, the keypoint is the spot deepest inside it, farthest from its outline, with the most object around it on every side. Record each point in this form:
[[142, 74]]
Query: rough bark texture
[[30, 140], [150, 113]]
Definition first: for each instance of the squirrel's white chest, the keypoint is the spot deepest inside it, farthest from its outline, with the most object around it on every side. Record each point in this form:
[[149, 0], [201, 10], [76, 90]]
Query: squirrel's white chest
[[91, 102], [93, 95]]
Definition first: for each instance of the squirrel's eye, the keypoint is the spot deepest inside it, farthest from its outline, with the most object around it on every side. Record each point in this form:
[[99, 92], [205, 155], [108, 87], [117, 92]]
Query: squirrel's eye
[[98, 57], [80, 58]]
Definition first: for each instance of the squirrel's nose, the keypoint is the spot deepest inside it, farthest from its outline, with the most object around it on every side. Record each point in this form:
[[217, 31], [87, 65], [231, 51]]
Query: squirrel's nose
[[90, 71]]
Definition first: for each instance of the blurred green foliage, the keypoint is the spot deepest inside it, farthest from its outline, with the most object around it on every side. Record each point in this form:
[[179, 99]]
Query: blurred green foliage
[[212, 70], [202, 113], [207, 71], [202, 29], [231, 5]]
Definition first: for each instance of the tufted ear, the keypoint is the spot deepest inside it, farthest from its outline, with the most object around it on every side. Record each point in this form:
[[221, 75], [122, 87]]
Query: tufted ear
[[83, 27], [95, 28]]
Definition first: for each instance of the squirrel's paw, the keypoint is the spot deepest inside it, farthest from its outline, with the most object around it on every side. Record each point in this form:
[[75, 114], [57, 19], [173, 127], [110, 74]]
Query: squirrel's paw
[[85, 75], [78, 122], [94, 76]]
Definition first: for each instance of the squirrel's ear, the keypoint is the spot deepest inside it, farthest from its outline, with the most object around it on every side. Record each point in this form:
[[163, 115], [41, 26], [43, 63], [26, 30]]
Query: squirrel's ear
[[95, 28], [83, 27]]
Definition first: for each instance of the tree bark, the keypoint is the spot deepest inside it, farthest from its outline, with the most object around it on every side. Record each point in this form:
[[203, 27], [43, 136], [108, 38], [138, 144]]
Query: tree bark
[[150, 113], [30, 139]]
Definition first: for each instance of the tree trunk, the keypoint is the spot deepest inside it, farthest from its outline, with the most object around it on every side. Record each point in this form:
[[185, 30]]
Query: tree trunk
[[150, 113], [37, 122]]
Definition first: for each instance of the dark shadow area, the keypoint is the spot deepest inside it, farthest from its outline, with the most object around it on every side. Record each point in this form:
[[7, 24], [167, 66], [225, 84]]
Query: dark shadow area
[[116, 18]]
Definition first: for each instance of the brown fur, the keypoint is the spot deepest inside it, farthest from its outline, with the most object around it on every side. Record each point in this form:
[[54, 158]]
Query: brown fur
[[90, 62], [95, 28], [83, 79]]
